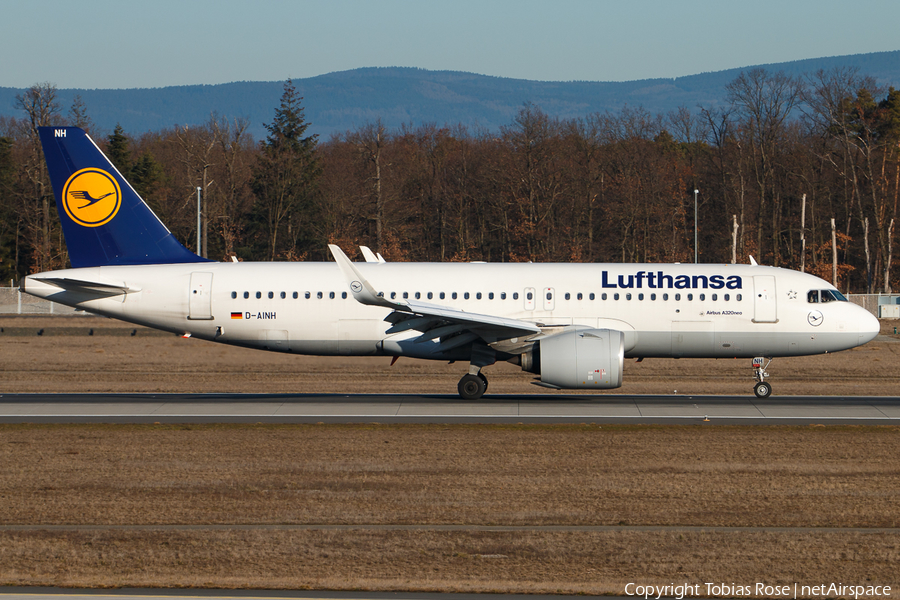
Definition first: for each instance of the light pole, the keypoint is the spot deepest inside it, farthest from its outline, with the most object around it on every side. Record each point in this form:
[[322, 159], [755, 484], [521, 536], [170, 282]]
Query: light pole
[[198, 222], [696, 191]]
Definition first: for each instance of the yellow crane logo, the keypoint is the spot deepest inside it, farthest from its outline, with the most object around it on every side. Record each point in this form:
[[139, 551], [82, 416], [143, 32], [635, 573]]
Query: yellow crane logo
[[91, 197]]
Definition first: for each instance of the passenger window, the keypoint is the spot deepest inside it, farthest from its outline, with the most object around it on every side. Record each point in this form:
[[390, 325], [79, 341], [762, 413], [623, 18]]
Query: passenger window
[[418, 295], [549, 295], [702, 297], [503, 295], [466, 296], [306, 295], [246, 295], [515, 295], [344, 295], [568, 296], [677, 297], [690, 297], [665, 297], [430, 295], [592, 296], [393, 295], [653, 296], [271, 295], [628, 296], [738, 297], [258, 295], [233, 295], [319, 295], [616, 296], [405, 295], [478, 296], [604, 296], [579, 296], [453, 295], [443, 295], [529, 296], [283, 295], [296, 295], [640, 296], [490, 295], [726, 297], [715, 297]]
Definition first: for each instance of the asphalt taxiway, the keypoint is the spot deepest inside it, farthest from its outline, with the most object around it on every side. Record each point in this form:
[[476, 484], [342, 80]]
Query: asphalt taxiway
[[405, 408]]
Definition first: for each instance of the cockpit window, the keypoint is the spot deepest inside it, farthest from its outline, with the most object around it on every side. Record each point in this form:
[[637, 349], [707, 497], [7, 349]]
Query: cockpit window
[[817, 296]]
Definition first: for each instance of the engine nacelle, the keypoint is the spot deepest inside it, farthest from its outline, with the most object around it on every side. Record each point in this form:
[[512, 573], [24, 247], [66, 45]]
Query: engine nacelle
[[581, 358]]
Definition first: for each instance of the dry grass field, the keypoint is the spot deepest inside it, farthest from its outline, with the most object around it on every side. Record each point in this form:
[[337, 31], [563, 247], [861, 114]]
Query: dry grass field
[[423, 506], [66, 359], [157, 483]]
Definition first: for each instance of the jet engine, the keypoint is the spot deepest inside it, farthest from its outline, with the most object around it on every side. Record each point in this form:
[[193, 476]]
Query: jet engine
[[578, 358]]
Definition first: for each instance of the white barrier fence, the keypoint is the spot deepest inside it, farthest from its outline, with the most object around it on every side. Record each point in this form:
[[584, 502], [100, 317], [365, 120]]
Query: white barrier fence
[[883, 306], [13, 302]]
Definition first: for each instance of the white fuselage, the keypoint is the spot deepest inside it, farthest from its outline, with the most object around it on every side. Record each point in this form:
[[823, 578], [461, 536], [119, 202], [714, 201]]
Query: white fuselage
[[664, 310]]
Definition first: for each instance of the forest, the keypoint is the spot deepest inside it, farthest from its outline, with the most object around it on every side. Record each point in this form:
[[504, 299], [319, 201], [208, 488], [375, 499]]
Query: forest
[[797, 172]]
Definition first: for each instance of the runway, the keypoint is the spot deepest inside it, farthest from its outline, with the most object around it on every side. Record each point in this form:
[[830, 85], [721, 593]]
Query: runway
[[394, 408]]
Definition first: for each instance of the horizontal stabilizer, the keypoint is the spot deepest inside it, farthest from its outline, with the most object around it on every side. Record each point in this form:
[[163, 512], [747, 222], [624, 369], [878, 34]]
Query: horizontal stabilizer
[[81, 285]]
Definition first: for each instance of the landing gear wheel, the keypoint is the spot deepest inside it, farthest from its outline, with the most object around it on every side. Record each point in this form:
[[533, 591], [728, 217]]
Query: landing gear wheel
[[762, 389], [484, 379], [472, 387]]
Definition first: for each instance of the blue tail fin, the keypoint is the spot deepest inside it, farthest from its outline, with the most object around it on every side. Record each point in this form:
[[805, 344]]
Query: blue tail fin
[[104, 220]]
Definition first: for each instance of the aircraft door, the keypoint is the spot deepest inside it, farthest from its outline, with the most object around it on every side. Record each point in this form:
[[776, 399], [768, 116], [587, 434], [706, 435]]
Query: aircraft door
[[764, 305], [529, 298], [549, 298], [200, 298]]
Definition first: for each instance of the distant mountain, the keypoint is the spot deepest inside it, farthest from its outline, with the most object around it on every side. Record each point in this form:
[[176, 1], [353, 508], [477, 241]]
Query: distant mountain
[[342, 101]]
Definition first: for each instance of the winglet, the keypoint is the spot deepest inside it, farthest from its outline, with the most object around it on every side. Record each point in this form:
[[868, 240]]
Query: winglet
[[371, 257], [360, 287]]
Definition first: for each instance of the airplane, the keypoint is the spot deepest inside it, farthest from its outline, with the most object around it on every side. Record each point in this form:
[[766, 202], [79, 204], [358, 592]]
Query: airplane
[[571, 325]]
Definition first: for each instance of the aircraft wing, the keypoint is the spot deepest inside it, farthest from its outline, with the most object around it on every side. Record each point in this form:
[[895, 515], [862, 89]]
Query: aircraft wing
[[452, 326]]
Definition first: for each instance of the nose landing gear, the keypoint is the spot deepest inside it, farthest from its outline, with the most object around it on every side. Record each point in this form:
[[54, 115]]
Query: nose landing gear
[[761, 389]]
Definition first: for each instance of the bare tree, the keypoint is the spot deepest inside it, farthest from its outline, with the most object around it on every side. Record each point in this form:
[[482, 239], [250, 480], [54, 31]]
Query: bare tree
[[370, 141], [765, 102], [197, 144], [41, 108], [233, 144]]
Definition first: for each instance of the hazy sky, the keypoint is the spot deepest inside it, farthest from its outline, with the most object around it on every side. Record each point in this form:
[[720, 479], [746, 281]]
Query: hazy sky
[[122, 44]]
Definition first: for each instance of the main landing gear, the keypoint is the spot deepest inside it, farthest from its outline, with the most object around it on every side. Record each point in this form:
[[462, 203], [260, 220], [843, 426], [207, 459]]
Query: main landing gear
[[474, 384], [472, 387], [761, 389]]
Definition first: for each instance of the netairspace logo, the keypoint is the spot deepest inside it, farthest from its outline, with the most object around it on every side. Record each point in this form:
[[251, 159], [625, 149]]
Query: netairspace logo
[[734, 590]]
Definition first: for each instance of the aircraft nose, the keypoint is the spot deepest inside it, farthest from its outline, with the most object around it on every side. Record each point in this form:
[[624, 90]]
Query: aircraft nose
[[869, 326]]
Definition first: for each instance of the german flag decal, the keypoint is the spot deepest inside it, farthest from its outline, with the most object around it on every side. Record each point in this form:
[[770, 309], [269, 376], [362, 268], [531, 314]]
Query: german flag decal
[[237, 315]]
